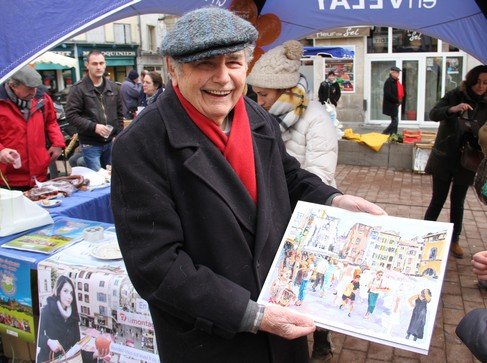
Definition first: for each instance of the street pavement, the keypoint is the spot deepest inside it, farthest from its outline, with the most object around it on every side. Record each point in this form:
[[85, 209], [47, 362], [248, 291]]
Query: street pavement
[[407, 194]]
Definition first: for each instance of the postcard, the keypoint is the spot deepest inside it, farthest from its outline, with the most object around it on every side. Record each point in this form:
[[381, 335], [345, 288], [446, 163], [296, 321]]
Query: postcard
[[377, 278], [51, 238]]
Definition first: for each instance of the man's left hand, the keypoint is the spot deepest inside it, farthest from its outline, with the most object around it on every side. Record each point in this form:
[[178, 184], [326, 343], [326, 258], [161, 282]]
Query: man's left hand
[[357, 204], [54, 152]]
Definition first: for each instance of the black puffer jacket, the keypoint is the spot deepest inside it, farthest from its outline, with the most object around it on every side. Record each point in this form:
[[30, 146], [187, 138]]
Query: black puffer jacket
[[86, 107], [445, 156]]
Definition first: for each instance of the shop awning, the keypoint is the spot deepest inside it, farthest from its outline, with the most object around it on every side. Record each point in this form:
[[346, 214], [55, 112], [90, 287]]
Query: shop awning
[[51, 60]]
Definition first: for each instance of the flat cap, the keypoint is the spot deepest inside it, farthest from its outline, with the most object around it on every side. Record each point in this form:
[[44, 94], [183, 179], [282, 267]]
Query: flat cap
[[396, 69], [28, 76], [205, 33]]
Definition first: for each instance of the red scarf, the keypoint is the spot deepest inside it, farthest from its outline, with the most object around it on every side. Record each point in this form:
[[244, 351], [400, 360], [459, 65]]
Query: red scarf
[[400, 90], [236, 148]]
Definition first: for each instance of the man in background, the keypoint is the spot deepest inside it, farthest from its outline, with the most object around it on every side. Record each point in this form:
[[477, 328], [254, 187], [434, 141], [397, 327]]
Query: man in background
[[393, 96], [130, 91], [330, 89], [27, 122], [94, 108]]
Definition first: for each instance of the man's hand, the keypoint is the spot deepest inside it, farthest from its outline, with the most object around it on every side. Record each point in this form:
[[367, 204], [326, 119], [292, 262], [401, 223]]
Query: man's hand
[[357, 204], [479, 263], [286, 323], [8, 156], [54, 152], [103, 130]]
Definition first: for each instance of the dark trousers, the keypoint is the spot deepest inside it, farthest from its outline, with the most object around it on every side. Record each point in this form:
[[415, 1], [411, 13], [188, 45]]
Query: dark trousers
[[441, 186], [392, 128]]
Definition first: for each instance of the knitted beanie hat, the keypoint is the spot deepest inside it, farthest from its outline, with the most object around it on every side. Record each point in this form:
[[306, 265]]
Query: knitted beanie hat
[[207, 32], [278, 68]]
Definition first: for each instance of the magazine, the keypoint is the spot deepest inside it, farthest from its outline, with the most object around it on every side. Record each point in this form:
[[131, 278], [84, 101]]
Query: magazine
[[51, 238], [373, 277]]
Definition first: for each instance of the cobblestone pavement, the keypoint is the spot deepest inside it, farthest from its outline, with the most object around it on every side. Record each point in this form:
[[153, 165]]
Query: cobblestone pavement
[[407, 194]]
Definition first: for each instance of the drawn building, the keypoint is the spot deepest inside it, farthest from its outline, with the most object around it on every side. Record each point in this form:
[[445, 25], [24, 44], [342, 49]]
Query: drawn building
[[434, 245], [356, 243], [385, 249], [408, 256]]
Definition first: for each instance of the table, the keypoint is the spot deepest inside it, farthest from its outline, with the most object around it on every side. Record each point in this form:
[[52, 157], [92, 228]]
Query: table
[[107, 301], [92, 205]]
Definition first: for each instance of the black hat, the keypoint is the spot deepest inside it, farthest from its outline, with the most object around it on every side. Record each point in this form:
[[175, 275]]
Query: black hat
[[396, 69], [133, 75]]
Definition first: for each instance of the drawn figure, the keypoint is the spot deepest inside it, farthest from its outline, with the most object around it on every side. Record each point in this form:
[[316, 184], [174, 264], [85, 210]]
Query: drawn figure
[[418, 318], [348, 296], [306, 272], [376, 286]]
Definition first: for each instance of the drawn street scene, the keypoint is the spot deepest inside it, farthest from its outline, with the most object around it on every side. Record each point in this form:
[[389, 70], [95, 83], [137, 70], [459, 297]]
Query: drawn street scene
[[377, 278]]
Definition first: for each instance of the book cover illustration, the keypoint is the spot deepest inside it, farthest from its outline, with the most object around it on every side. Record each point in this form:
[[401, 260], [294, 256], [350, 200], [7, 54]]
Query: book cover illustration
[[374, 277], [51, 238], [109, 309]]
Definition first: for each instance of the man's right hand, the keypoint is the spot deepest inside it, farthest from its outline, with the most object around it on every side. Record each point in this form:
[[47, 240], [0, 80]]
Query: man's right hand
[[8, 156], [102, 130], [286, 323]]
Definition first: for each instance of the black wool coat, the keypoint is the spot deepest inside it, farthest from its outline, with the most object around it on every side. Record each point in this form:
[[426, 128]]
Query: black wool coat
[[196, 246], [445, 156], [390, 102]]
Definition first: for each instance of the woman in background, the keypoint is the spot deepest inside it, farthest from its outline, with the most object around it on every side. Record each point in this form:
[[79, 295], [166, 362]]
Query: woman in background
[[152, 86], [306, 128], [461, 113]]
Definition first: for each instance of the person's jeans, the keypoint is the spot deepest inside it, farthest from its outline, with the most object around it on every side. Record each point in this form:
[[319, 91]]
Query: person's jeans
[[97, 156], [458, 193]]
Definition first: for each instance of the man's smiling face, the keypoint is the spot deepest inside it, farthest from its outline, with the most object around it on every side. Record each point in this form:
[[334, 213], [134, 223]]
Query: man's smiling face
[[213, 85]]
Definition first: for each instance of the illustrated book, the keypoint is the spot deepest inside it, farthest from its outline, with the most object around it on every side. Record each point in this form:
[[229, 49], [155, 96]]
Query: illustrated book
[[377, 278]]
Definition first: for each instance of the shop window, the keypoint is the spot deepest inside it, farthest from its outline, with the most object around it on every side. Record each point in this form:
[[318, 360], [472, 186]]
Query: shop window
[[152, 38], [453, 74], [377, 40], [122, 33], [407, 41]]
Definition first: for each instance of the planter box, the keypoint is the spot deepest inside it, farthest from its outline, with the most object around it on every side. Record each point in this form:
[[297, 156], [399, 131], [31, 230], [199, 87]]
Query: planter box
[[392, 156]]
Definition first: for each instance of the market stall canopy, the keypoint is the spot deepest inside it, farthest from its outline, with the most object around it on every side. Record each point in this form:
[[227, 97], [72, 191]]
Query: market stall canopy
[[27, 32], [51, 60]]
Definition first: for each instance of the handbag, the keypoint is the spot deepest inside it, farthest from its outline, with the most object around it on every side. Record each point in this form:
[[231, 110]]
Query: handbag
[[470, 158], [480, 181], [472, 331]]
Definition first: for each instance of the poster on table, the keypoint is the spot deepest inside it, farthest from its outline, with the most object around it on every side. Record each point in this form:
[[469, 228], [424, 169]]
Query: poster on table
[[113, 321], [16, 315], [377, 278]]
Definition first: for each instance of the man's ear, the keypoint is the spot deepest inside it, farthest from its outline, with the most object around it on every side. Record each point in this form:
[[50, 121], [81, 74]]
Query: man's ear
[[171, 70]]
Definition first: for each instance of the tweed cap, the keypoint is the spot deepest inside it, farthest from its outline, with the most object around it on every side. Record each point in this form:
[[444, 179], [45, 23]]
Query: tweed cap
[[396, 69], [28, 76], [205, 33]]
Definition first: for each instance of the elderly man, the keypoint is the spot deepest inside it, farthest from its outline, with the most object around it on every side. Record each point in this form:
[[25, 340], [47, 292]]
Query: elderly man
[[393, 96], [202, 191], [94, 108], [27, 122]]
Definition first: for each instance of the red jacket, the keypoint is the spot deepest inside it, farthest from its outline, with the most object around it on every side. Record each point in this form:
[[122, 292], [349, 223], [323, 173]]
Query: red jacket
[[28, 138]]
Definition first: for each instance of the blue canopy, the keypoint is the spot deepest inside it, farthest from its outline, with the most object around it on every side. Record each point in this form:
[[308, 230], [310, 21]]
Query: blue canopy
[[29, 28]]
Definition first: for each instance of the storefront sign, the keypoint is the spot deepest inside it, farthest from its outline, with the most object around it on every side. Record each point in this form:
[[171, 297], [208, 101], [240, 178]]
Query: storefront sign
[[348, 32], [114, 53]]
